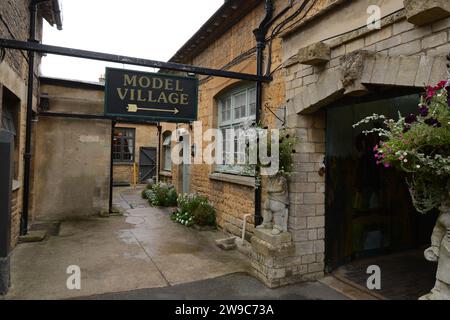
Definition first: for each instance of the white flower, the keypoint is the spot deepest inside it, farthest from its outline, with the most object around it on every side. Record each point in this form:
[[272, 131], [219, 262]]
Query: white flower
[[405, 153], [405, 161], [418, 166]]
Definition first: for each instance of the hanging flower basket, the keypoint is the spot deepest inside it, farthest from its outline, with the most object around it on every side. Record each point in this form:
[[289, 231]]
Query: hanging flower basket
[[419, 144]]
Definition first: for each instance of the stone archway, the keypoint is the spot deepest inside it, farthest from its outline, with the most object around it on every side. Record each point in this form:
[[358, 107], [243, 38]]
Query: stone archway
[[361, 68]]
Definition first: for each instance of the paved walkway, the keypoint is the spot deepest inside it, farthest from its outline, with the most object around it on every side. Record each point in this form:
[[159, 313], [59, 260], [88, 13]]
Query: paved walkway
[[141, 255], [236, 286], [143, 249]]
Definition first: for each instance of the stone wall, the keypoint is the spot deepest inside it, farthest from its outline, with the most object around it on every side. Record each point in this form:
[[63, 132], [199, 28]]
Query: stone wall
[[14, 24], [351, 61], [399, 54], [233, 196], [72, 156]]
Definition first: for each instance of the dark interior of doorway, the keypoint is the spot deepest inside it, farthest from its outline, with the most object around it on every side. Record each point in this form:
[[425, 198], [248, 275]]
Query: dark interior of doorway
[[369, 213]]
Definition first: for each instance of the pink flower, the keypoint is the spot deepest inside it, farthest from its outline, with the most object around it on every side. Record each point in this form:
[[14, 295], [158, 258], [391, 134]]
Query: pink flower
[[441, 85], [387, 165], [430, 92]]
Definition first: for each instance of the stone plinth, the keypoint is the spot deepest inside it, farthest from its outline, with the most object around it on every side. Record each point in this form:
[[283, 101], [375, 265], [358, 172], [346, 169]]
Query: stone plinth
[[315, 54], [422, 12], [267, 236], [269, 256]]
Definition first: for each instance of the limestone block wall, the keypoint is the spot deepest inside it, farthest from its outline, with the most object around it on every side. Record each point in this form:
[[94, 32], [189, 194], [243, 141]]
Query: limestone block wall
[[398, 54]]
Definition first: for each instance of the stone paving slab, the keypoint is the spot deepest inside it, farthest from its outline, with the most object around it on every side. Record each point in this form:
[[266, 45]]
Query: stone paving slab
[[143, 249], [237, 286]]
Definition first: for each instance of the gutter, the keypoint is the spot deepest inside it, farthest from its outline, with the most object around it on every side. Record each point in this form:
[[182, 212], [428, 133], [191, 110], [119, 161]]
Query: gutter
[[57, 13]]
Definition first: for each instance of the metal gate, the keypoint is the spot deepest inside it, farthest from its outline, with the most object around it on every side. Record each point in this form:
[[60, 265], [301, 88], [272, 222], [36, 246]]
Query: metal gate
[[147, 163]]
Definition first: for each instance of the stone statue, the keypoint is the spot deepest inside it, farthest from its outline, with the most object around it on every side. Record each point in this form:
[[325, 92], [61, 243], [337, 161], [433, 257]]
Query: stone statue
[[275, 212], [440, 252]]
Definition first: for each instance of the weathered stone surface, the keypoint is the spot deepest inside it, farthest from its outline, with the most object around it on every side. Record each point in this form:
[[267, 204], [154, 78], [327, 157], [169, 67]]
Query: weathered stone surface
[[315, 54], [227, 243], [266, 235], [352, 68], [34, 236], [327, 89], [422, 12]]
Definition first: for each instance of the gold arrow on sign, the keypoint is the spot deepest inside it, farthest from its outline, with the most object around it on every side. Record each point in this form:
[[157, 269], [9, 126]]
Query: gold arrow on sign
[[135, 108]]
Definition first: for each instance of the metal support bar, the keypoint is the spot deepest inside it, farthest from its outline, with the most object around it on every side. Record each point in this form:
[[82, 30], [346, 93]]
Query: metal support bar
[[92, 55], [111, 168], [94, 117]]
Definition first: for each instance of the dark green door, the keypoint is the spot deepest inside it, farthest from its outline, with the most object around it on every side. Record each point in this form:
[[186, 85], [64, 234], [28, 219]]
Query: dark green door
[[368, 208]]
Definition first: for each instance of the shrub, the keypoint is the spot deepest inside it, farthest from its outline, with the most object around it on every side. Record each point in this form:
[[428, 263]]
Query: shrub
[[161, 195], [194, 209]]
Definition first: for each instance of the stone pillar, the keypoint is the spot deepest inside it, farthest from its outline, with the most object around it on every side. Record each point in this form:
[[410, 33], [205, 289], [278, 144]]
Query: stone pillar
[[298, 255]]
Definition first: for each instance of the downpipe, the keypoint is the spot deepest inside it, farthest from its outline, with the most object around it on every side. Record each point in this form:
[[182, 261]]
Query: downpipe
[[28, 124], [260, 35]]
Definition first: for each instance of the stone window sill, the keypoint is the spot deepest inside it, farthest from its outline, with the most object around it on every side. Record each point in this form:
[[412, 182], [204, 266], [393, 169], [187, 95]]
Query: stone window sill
[[165, 174], [124, 164], [231, 178]]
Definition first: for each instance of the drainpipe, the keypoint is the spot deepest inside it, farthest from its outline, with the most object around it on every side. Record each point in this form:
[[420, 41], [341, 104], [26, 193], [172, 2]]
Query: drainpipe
[[158, 167], [260, 35], [111, 168], [29, 114]]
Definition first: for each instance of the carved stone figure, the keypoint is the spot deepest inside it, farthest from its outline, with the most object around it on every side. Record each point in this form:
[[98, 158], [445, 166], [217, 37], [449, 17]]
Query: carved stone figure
[[276, 206], [440, 252]]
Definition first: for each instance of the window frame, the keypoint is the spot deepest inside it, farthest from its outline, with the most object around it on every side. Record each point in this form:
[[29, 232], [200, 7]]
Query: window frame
[[121, 153], [167, 150], [235, 122]]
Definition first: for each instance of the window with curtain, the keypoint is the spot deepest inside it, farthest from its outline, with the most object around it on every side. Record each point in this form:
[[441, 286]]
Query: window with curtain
[[123, 145], [167, 144], [236, 110]]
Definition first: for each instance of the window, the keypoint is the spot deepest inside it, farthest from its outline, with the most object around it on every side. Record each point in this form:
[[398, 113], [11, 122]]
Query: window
[[10, 122], [237, 110], [123, 145], [167, 149]]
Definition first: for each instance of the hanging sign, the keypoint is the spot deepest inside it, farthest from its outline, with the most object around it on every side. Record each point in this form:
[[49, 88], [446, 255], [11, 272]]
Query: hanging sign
[[150, 96]]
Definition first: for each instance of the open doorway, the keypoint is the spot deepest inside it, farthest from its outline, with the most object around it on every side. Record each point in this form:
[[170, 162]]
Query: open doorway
[[370, 218]]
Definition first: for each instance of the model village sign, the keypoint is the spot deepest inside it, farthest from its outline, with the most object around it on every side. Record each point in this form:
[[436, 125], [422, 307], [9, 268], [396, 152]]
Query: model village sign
[[150, 96]]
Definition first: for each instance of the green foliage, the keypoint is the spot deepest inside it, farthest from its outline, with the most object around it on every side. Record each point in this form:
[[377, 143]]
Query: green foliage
[[194, 209], [420, 146], [287, 143], [160, 195]]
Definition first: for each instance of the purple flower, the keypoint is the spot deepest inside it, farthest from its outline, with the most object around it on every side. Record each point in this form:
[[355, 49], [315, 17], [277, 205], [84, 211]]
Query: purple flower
[[411, 119], [424, 111], [433, 122]]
